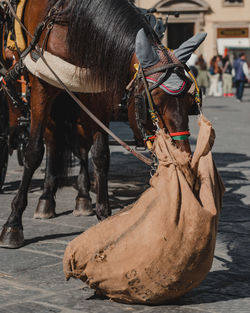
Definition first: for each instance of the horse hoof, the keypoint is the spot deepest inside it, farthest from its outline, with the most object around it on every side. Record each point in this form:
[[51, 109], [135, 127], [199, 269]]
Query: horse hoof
[[11, 237], [102, 211], [45, 209], [83, 207]]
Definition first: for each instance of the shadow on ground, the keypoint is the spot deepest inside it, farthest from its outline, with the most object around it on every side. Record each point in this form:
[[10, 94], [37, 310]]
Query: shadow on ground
[[49, 237], [232, 281]]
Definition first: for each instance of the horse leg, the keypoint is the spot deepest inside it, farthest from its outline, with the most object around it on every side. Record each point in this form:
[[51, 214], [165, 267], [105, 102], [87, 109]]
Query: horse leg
[[12, 233], [100, 157], [83, 200], [60, 132], [81, 148], [46, 204]]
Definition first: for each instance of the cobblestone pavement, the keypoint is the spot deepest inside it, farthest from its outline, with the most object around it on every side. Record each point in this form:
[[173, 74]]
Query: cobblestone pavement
[[32, 280]]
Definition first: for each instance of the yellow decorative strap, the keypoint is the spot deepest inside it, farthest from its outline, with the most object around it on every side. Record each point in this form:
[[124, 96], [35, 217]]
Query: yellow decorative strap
[[168, 49], [18, 30], [197, 94], [195, 82], [136, 66]]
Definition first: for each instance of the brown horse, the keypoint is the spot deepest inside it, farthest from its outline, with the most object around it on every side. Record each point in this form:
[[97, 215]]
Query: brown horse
[[101, 36]]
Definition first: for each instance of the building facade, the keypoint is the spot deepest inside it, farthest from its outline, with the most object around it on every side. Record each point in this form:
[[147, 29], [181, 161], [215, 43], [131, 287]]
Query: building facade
[[227, 23]]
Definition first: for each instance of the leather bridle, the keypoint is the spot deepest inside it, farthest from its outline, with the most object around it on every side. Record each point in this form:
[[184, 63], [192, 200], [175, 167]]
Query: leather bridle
[[143, 76]]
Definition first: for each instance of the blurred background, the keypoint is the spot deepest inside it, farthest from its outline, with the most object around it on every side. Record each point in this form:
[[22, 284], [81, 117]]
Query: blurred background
[[226, 22]]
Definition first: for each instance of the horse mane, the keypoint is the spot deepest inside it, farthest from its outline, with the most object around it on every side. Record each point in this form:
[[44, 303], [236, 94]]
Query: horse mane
[[101, 37]]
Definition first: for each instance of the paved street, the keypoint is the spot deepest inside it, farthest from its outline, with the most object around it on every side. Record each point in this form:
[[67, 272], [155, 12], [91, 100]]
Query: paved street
[[32, 279]]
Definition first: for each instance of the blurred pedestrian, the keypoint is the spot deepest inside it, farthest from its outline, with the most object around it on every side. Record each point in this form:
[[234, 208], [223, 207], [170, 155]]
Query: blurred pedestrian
[[202, 77], [241, 75], [191, 63], [227, 77], [220, 82], [214, 75]]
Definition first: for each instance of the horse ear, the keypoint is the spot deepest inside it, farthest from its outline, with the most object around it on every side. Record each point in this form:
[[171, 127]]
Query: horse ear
[[144, 51], [183, 53]]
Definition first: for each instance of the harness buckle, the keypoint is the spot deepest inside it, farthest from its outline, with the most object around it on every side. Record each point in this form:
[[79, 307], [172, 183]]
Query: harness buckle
[[50, 25]]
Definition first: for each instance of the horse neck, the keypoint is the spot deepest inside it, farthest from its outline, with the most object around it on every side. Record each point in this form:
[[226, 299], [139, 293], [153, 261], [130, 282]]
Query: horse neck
[[37, 9]]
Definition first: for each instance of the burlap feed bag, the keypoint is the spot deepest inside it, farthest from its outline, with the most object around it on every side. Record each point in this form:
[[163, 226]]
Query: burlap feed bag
[[164, 245]]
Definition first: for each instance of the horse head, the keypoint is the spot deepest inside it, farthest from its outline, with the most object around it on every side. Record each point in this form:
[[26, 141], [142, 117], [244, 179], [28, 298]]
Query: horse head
[[163, 88]]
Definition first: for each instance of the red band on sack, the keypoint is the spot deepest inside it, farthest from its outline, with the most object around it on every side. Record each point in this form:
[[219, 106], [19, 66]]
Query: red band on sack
[[180, 133]]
